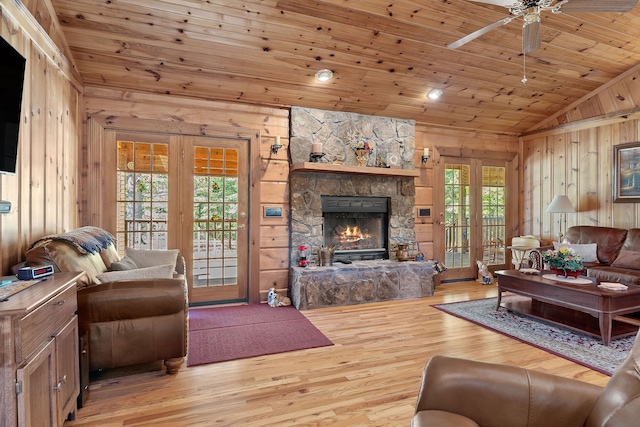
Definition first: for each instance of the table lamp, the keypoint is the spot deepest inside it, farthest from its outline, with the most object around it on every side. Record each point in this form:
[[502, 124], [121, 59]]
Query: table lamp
[[562, 205]]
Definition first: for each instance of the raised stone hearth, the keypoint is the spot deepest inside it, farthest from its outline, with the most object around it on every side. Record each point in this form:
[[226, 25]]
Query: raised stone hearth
[[360, 282]]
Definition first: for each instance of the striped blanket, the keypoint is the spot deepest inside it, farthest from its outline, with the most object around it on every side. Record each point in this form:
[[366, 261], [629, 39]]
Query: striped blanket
[[86, 239]]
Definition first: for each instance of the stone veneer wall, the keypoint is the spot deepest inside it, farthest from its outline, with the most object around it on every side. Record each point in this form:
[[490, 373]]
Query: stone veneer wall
[[392, 139], [337, 132]]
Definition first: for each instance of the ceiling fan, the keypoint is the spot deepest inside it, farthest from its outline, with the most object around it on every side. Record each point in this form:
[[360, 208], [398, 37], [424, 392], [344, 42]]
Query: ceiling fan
[[530, 11]]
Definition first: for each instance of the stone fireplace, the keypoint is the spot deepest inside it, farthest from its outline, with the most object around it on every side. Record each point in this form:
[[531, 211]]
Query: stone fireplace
[[331, 195], [391, 138], [307, 220]]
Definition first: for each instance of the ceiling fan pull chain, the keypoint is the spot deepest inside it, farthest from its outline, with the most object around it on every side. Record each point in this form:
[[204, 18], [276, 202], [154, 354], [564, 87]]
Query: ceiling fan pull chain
[[524, 68]]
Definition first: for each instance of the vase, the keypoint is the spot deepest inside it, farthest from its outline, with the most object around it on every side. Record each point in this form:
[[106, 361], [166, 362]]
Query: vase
[[563, 272], [362, 157]]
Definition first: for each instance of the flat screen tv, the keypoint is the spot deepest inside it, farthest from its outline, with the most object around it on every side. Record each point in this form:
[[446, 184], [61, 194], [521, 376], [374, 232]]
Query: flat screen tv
[[12, 66]]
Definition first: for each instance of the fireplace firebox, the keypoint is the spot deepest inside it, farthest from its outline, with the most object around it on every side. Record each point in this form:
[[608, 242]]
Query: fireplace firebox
[[356, 226]]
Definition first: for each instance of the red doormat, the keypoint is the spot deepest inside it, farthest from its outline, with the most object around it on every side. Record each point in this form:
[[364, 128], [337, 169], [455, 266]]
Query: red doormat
[[217, 334]]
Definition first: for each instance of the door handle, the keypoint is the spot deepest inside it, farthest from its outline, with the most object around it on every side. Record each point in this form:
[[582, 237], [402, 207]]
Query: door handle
[[241, 227]]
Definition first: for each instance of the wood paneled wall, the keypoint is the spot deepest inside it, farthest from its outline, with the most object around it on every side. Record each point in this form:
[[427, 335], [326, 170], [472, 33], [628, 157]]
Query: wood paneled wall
[[43, 192], [576, 161], [572, 153], [137, 111]]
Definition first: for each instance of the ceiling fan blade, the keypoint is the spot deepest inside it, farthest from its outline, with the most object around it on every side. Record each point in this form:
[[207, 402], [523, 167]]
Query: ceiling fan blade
[[575, 6], [466, 39], [504, 3], [531, 37]]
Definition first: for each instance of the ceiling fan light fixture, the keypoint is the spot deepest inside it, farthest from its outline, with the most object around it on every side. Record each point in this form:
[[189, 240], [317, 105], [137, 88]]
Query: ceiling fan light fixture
[[530, 10], [532, 15], [435, 94], [324, 75]]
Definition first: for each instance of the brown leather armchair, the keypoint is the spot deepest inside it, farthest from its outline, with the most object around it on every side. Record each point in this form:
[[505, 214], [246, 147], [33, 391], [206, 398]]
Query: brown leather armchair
[[132, 321], [133, 318], [465, 393]]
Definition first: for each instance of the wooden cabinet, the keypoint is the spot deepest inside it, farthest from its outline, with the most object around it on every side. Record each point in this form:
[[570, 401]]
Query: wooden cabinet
[[39, 373]]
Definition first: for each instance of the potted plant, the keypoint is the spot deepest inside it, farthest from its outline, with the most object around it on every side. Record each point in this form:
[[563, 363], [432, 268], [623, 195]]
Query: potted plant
[[564, 262]]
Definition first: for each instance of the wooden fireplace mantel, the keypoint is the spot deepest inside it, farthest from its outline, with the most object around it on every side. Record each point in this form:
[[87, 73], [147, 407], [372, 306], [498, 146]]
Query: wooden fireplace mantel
[[360, 170]]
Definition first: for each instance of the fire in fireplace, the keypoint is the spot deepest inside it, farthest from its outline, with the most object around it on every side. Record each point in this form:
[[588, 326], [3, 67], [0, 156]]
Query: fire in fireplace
[[356, 226]]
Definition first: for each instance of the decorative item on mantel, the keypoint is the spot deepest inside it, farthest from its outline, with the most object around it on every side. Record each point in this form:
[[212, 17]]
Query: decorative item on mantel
[[564, 262], [362, 148], [316, 152]]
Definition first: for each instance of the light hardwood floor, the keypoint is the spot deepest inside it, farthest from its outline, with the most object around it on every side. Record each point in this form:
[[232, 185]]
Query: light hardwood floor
[[369, 377]]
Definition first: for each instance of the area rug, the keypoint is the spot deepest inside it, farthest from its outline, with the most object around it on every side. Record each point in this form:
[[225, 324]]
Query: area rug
[[218, 334], [580, 348]]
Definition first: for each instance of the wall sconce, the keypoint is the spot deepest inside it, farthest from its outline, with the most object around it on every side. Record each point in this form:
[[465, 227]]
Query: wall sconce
[[425, 155], [276, 145]]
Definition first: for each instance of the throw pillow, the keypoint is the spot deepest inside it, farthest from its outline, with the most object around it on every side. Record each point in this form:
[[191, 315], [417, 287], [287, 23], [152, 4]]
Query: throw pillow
[[124, 264], [156, 272], [588, 252], [627, 259], [150, 258]]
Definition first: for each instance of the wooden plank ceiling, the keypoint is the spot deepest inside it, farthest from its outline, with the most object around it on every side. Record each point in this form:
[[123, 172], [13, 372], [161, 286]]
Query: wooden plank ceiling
[[386, 55]]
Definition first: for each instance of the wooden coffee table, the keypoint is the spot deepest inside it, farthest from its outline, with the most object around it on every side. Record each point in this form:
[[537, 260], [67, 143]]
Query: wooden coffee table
[[582, 307]]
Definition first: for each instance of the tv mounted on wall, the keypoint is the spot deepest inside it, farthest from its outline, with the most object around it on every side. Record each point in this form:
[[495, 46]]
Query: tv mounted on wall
[[12, 67]]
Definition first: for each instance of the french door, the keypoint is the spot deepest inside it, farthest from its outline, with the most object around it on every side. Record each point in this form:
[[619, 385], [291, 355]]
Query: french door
[[474, 215], [189, 193], [215, 199]]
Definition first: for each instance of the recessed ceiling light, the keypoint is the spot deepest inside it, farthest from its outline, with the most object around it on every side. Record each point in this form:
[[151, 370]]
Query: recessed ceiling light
[[324, 75], [434, 94]]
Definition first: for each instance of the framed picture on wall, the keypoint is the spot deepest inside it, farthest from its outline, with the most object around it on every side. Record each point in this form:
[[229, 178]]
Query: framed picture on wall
[[626, 172]]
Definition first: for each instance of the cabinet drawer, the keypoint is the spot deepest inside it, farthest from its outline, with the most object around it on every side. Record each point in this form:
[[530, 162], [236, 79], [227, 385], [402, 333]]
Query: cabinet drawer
[[39, 326]]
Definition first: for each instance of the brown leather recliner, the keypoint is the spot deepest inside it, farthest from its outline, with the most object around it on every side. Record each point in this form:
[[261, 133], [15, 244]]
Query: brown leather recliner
[[134, 321], [465, 393], [129, 320]]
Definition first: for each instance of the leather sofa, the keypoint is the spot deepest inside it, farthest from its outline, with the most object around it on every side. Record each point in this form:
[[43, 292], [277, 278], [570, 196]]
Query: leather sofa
[[466, 393], [131, 317], [618, 252]]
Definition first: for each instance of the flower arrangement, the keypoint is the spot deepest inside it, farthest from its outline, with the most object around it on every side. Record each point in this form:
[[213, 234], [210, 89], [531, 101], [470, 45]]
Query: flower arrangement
[[363, 144], [564, 259], [362, 148]]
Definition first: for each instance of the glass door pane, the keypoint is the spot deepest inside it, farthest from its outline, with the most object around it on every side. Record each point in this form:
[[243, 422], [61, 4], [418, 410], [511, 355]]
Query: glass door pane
[[215, 213], [142, 194], [217, 193], [457, 215], [493, 215]]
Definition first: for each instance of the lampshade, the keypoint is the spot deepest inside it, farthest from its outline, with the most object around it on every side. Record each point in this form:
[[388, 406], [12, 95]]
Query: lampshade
[[560, 204]]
